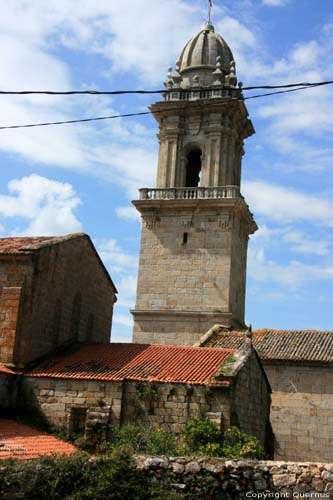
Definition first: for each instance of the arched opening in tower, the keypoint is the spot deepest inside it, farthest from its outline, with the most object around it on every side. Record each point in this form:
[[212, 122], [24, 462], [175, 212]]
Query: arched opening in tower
[[193, 168]]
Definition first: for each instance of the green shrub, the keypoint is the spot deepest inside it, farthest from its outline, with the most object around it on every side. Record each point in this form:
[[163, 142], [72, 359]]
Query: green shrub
[[151, 440], [236, 444], [77, 477], [201, 434], [202, 437]]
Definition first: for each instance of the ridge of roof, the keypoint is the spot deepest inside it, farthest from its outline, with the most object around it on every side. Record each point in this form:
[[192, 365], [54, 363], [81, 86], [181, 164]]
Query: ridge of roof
[[28, 244]]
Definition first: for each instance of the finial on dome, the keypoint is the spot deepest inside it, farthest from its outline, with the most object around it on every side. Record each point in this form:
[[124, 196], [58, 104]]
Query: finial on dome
[[208, 24], [209, 16]]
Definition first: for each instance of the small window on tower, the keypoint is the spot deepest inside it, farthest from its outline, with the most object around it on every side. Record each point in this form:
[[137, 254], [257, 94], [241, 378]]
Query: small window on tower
[[185, 237], [193, 168]]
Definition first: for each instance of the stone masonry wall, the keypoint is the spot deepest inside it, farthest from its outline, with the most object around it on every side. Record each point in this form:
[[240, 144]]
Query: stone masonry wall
[[197, 478], [220, 479], [55, 398], [251, 400], [167, 405], [70, 298], [171, 405], [185, 269], [302, 411], [15, 277]]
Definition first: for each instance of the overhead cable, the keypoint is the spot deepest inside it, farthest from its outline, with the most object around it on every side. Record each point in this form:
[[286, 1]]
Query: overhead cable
[[127, 115], [163, 91]]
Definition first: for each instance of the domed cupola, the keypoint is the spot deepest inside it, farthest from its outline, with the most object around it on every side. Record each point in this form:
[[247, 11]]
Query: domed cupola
[[201, 52], [205, 62]]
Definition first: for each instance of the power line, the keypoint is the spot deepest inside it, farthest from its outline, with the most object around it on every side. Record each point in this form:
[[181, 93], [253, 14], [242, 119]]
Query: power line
[[127, 115], [163, 91]]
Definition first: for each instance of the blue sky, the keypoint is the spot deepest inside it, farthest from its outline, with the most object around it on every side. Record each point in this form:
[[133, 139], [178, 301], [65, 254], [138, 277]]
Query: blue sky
[[58, 180]]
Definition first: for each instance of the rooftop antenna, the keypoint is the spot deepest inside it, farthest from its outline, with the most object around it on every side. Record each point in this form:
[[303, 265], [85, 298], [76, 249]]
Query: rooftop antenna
[[209, 16]]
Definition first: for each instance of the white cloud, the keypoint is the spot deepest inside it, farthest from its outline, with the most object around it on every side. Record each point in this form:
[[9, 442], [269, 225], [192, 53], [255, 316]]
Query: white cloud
[[115, 258], [127, 290], [301, 243], [128, 214], [286, 205], [122, 319], [48, 206], [292, 275], [275, 3]]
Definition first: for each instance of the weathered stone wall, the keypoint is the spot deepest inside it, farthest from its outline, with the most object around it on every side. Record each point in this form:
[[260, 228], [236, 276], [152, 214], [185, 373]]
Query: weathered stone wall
[[168, 405], [162, 404], [251, 401], [302, 411], [188, 278], [221, 479], [55, 398], [187, 477], [171, 405], [15, 278], [66, 296]]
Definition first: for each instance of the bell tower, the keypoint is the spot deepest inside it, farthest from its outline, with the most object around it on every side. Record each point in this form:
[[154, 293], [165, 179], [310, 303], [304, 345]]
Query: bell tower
[[195, 222]]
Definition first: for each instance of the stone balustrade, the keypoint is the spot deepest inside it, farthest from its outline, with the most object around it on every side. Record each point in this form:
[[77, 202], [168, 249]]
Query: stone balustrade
[[177, 94], [188, 193]]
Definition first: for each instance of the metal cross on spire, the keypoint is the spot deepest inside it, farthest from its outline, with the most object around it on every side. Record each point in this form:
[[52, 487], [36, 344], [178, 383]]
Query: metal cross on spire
[[209, 16]]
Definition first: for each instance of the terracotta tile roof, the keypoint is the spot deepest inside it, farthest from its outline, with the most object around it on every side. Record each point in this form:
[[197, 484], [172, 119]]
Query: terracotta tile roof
[[289, 345], [4, 369], [26, 245], [24, 442], [151, 363]]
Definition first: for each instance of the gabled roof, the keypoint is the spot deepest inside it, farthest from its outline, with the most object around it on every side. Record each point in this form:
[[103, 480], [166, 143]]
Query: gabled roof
[[24, 442], [16, 246], [29, 245], [279, 345], [139, 362]]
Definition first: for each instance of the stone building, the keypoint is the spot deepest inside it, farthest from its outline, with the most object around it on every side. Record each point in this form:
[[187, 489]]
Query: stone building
[[157, 385], [299, 367], [195, 222], [53, 291]]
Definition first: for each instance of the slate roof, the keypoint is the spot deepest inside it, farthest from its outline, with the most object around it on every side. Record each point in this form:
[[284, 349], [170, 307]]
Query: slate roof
[[24, 442], [280, 345], [140, 362]]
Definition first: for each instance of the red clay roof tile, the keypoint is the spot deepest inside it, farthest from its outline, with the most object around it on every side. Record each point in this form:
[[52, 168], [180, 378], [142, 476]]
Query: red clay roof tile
[[4, 369], [16, 245], [27, 245], [24, 442], [151, 363]]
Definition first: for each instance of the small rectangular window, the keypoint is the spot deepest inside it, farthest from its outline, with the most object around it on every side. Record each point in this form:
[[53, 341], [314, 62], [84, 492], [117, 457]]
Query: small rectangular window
[[78, 420], [185, 237]]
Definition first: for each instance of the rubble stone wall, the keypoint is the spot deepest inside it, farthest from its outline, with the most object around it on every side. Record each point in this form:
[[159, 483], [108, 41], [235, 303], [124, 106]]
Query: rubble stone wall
[[241, 479]]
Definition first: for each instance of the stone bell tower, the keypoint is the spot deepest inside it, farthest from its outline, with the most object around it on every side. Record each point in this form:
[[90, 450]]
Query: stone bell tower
[[195, 223]]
